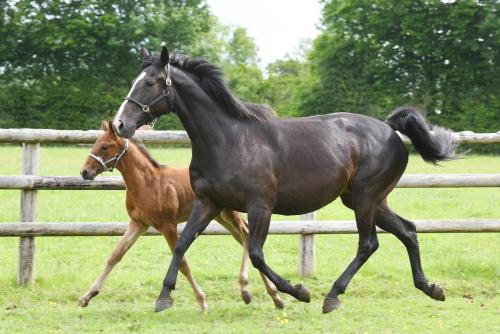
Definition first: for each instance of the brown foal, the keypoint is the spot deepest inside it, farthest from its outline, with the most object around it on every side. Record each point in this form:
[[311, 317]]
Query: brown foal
[[160, 197]]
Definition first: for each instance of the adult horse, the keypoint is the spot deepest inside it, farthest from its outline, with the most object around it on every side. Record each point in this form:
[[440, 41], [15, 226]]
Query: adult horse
[[246, 159]]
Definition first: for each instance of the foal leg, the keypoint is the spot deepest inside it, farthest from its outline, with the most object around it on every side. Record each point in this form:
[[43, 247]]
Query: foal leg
[[170, 235], [133, 232], [235, 224], [202, 212], [260, 218], [367, 245], [238, 228], [406, 232]]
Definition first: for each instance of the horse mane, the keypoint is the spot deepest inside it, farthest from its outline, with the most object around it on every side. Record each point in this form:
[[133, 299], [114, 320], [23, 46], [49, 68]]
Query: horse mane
[[211, 80], [142, 148]]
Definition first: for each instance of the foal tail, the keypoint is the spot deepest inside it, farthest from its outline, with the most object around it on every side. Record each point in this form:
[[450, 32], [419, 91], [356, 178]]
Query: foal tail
[[433, 146]]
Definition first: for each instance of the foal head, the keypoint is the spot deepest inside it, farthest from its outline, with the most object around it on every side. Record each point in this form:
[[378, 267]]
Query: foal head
[[105, 154]]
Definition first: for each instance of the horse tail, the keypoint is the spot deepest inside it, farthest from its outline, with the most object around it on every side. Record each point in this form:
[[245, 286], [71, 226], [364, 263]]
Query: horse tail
[[433, 142]]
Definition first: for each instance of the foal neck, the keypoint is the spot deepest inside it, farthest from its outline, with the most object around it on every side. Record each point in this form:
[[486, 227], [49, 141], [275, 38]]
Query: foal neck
[[135, 167]]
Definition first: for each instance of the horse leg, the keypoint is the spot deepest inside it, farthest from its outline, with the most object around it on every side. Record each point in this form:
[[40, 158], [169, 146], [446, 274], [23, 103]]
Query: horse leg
[[258, 228], [406, 232], [367, 245], [202, 212], [133, 232], [170, 235]]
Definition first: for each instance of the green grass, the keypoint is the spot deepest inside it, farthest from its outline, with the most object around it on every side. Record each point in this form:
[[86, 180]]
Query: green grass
[[380, 299]]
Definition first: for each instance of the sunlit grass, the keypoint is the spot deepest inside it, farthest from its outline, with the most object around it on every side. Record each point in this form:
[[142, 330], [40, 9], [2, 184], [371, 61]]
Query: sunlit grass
[[380, 299]]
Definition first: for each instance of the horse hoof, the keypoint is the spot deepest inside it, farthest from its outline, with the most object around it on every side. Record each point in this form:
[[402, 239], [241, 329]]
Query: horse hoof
[[278, 303], [437, 292], [246, 296], [163, 303], [330, 305], [302, 293]]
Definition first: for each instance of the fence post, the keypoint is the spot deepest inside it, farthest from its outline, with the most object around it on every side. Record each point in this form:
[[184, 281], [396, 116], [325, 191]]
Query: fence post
[[26, 269], [306, 249]]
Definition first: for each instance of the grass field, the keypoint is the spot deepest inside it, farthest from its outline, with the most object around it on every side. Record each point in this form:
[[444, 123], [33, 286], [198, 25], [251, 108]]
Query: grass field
[[380, 299]]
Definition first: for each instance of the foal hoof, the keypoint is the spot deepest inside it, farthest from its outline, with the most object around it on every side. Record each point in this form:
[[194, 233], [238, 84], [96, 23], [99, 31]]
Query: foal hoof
[[302, 293], [330, 305], [278, 303], [84, 301], [246, 296], [437, 292], [163, 303]]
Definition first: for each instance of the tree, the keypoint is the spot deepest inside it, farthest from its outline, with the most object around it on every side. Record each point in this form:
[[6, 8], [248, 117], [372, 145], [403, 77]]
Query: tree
[[441, 56], [289, 81], [68, 64]]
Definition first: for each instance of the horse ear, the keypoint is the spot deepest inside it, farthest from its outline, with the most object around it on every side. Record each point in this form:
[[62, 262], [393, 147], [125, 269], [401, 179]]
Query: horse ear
[[145, 52], [164, 57], [105, 126], [109, 126]]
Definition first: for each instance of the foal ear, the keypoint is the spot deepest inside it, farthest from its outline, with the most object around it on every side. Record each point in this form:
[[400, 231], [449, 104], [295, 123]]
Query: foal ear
[[164, 57], [145, 52], [109, 126], [105, 126]]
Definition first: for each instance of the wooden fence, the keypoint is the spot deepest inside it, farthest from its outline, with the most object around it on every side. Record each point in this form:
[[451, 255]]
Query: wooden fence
[[306, 227]]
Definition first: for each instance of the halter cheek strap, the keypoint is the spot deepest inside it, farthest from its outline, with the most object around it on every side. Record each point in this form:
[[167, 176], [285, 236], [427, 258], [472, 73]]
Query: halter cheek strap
[[116, 158]]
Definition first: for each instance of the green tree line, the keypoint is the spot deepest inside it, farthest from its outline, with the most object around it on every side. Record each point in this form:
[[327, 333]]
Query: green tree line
[[68, 64]]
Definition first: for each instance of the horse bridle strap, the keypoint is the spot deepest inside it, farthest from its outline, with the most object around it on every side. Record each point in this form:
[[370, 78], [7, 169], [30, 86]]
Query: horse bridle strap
[[164, 94], [116, 158]]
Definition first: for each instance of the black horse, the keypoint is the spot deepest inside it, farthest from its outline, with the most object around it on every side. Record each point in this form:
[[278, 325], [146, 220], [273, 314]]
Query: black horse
[[247, 159]]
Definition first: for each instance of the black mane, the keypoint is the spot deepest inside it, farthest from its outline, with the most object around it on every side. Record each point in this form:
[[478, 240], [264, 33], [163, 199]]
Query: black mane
[[211, 80], [142, 148]]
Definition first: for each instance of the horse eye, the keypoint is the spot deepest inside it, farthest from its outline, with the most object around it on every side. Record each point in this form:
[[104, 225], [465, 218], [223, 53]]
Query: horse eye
[[104, 147]]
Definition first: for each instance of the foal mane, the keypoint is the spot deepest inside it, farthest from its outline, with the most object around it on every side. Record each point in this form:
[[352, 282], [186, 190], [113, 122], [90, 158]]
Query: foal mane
[[142, 148], [211, 80]]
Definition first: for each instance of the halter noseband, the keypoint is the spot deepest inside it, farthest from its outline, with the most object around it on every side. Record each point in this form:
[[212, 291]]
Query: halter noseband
[[115, 158], [164, 94]]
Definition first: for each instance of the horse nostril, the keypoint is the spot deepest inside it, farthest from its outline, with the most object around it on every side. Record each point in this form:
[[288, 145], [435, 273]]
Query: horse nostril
[[120, 126], [84, 173]]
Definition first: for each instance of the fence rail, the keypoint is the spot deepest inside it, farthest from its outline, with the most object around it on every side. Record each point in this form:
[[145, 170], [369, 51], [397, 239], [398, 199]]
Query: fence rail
[[33, 182], [171, 137], [306, 226], [71, 229]]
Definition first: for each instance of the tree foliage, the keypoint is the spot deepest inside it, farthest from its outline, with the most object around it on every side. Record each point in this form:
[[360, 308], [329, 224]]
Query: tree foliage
[[68, 64], [442, 56]]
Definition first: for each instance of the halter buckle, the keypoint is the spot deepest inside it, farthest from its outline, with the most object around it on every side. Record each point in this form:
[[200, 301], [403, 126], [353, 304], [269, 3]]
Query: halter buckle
[[145, 108], [168, 81]]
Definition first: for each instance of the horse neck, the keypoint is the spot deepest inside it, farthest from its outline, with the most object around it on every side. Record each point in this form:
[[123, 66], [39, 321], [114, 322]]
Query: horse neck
[[206, 123], [136, 169]]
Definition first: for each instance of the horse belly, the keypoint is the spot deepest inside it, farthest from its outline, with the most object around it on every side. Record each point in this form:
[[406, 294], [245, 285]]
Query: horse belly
[[312, 184], [303, 198]]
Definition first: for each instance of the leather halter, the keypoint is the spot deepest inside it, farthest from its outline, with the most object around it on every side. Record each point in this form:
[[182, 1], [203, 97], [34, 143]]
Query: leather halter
[[164, 95], [115, 158]]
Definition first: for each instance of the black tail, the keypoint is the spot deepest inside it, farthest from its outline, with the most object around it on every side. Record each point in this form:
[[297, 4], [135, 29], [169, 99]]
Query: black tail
[[431, 141]]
